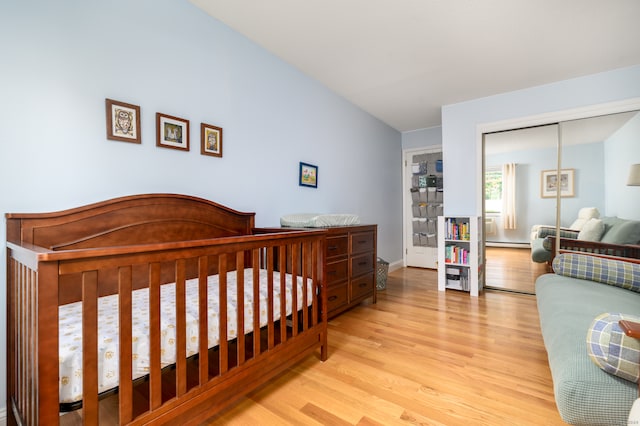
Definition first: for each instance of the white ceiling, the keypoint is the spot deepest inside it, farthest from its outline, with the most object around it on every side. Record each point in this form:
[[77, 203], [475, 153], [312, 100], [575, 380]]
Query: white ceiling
[[401, 60]]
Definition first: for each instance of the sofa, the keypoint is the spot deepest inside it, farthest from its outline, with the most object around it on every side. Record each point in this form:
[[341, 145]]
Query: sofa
[[611, 236], [582, 288], [541, 254]]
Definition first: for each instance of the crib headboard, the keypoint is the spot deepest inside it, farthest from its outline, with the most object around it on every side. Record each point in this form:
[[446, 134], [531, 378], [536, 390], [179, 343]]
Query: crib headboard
[[136, 219]]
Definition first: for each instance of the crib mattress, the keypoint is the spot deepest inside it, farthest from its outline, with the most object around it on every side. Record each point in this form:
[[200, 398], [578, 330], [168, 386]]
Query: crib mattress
[[316, 220], [70, 327]]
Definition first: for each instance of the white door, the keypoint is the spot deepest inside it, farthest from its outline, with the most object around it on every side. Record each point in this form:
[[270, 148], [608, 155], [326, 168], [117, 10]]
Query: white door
[[422, 195]]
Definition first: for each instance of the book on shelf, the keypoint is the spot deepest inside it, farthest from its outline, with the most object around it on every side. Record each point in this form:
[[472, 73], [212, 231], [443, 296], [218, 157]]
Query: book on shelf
[[456, 254], [455, 230]]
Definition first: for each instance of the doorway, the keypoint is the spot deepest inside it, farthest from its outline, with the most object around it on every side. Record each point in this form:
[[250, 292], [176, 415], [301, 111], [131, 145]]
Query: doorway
[[423, 203]]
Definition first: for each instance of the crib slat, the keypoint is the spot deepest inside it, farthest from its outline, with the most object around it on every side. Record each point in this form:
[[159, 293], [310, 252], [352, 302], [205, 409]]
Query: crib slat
[[181, 333], [315, 249], [32, 303], [270, 313], [294, 287], [240, 353], [124, 324], [90, 347], [283, 293], [305, 290], [21, 336], [203, 313], [22, 331], [256, 302], [155, 374], [222, 302]]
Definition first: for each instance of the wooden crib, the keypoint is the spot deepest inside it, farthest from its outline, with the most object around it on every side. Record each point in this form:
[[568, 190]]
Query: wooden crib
[[138, 245]]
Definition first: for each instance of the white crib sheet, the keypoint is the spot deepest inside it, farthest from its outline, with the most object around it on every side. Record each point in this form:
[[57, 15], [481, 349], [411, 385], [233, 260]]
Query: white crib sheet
[[70, 328]]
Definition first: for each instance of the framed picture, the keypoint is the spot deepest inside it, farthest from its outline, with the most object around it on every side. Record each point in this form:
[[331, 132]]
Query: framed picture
[[210, 140], [550, 183], [308, 175], [172, 132], [123, 121]]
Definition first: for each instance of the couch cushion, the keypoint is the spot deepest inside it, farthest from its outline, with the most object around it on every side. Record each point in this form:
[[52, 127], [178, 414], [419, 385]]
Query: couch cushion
[[620, 231], [538, 252], [584, 215], [606, 271], [584, 393], [592, 230], [611, 349]]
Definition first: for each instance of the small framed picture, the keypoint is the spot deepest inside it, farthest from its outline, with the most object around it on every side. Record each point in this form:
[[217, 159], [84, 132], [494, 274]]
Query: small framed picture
[[308, 175], [550, 183], [123, 121], [172, 132], [210, 140]]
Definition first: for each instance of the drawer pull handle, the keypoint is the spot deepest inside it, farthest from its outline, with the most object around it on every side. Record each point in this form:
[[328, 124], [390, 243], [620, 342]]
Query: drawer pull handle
[[362, 263], [332, 298], [362, 242], [363, 285], [333, 272], [332, 247]]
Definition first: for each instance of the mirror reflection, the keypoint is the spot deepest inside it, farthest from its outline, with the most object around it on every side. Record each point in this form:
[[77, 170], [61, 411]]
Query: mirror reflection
[[521, 183]]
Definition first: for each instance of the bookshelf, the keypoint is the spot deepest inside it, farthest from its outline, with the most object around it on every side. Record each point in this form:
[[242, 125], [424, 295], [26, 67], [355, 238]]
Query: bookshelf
[[460, 258]]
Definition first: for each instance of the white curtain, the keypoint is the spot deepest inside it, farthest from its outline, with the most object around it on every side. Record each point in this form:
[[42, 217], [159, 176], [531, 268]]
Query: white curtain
[[509, 195]]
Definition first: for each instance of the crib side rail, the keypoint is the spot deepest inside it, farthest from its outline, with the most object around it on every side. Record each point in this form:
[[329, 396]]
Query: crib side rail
[[32, 333], [33, 291]]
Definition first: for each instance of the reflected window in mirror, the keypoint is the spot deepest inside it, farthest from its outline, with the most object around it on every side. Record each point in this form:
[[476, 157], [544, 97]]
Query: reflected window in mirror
[[493, 190]]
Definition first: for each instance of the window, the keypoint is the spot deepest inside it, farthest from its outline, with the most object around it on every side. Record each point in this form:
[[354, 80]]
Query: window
[[493, 190]]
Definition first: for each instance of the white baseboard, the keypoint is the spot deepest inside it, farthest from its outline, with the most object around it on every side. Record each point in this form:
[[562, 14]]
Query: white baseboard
[[396, 265], [511, 245]]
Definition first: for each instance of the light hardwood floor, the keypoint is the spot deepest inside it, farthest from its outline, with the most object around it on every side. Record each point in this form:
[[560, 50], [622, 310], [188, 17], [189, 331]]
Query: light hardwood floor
[[418, 356], [512, 269]]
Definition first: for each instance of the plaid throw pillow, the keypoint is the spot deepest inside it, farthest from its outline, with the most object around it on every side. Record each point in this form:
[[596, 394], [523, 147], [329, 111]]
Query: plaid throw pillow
[[607, 271], [612, 350]]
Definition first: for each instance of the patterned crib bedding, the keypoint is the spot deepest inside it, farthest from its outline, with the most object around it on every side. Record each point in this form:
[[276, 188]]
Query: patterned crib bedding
[[319, 220], [70, 327]]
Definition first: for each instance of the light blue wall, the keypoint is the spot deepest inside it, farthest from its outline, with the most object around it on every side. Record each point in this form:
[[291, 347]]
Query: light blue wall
[[422, 138], [61, 59], [531, 209], [623, 150], [460, 123]]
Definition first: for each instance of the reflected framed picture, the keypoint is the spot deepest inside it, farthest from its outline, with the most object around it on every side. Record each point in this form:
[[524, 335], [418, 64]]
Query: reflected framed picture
[[550, 183], [308, 175], [172, 132], [210, 140], [123, 121]]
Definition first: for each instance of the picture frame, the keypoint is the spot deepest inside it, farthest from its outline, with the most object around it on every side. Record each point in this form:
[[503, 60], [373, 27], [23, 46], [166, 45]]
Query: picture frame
[[308, 175], [549, 183], [123, 121], [210, 140], [172, 132]]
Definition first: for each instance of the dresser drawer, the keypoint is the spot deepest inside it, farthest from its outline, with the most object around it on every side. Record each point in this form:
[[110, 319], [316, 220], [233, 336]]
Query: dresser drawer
[[337, 246], [361, 242], [361, 264], [337, 271], [362, 287], [336, 297]]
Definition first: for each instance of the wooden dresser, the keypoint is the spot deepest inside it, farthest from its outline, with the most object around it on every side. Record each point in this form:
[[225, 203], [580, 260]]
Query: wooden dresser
[[350, 270]]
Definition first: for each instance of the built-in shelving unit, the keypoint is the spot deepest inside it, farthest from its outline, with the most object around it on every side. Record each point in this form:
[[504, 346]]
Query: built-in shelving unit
[[460, 258]]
